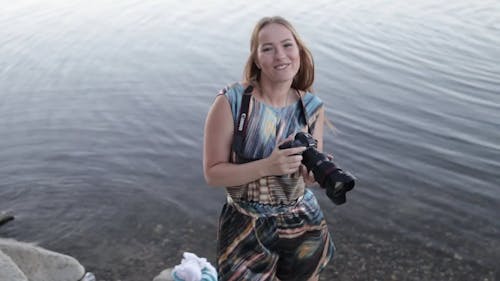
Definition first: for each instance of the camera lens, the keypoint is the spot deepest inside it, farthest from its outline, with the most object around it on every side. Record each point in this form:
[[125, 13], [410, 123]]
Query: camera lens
[[336, 181], [326, 173]]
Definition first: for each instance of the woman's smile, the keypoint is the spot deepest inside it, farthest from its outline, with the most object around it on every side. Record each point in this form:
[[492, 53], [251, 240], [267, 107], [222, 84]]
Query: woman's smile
[[281, 66]]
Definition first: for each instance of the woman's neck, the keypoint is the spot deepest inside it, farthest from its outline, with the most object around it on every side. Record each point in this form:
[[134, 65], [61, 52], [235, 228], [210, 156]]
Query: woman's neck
[[275, 94]]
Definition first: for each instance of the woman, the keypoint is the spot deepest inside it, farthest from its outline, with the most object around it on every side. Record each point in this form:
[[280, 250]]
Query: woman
[[271, 227]]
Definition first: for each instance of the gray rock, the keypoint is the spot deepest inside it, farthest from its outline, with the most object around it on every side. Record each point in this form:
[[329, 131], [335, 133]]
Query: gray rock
[[165, 275], [38, 264], [5, 218], [9, 270]]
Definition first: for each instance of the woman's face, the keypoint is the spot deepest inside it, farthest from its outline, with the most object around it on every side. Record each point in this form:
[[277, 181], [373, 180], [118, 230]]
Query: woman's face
[[278, 54]]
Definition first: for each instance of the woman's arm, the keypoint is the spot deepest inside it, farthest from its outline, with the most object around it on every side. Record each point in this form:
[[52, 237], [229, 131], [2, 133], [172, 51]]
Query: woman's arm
[[317, 135], [218, 137]]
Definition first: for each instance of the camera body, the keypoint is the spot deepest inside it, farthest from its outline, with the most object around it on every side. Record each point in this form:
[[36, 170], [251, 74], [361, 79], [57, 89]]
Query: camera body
[[328, 175]]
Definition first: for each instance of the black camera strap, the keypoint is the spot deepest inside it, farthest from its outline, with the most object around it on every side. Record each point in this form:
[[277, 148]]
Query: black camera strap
[[240, 130]]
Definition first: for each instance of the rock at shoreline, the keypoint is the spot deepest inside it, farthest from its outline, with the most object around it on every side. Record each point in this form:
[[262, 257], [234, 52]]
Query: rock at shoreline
[[9, 270], [23, 261], [165, 275], [5, 218], [20, 261]]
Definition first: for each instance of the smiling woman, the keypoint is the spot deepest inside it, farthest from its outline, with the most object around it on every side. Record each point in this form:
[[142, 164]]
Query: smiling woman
[[271, 226], [278, 55]]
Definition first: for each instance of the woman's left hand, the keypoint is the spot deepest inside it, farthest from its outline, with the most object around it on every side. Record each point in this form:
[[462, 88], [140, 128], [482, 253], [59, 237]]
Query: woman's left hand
[[308, 176]]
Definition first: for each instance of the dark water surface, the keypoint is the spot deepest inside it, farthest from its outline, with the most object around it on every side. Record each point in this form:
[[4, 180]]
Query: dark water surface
[[102, 110]]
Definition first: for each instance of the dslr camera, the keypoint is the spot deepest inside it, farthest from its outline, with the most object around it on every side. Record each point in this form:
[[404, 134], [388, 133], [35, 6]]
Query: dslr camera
[[329, 176]]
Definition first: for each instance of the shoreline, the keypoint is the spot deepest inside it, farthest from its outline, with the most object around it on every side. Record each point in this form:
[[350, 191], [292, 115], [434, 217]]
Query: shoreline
[[134, 249], [359, 256]]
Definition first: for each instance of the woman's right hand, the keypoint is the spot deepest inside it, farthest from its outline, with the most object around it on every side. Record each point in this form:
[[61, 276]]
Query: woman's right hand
[[284, 161]]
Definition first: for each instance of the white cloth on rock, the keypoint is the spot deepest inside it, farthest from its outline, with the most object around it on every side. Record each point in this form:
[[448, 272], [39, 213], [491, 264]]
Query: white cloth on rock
[[194, 268]]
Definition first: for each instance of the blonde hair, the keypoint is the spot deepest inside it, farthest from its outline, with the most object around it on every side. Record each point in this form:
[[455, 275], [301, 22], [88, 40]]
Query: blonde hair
[[304, 78]]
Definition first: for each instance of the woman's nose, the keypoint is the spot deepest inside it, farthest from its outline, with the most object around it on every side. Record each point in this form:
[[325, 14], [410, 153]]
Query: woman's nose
[[280, 53]]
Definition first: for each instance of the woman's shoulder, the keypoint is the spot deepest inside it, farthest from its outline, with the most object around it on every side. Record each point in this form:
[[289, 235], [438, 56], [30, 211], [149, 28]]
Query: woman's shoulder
[[312, 100], [233, 93], [232, 90]]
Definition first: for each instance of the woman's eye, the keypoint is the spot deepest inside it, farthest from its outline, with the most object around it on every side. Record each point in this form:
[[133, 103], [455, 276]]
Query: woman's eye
[[266, 49], [288, 45]]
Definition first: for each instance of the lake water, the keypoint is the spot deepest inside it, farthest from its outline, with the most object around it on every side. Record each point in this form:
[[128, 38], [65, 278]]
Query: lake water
[[102, 109]]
